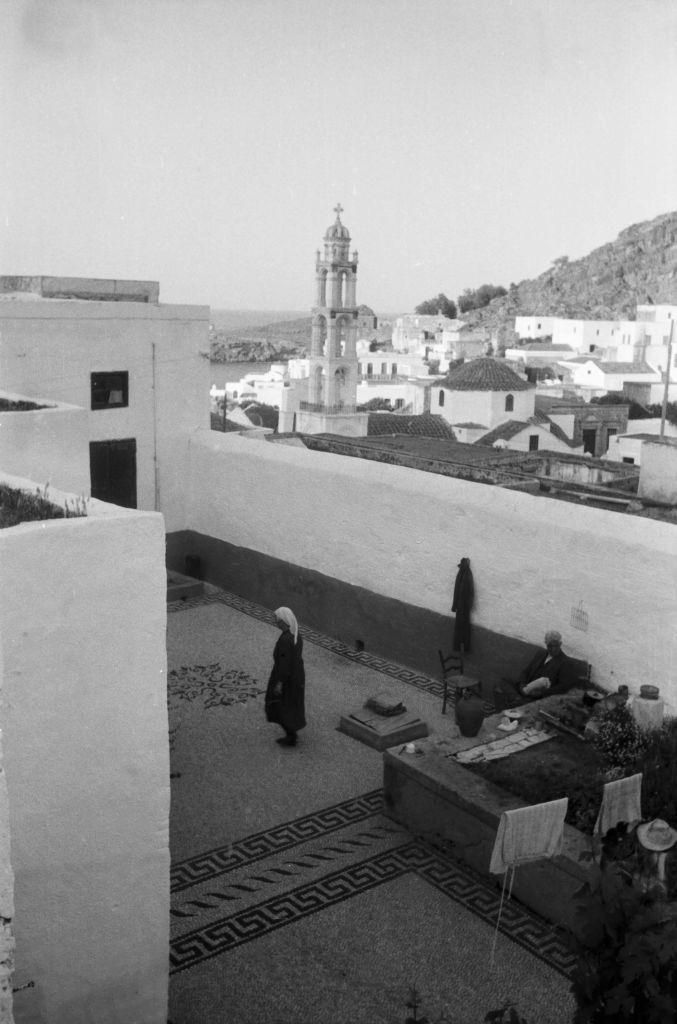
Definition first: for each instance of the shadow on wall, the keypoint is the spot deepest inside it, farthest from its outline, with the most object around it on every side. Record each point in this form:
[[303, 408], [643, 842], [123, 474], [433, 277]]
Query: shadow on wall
[[359, 618]]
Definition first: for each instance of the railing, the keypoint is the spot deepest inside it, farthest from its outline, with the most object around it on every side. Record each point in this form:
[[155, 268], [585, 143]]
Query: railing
[[382, 377], [329, 410]]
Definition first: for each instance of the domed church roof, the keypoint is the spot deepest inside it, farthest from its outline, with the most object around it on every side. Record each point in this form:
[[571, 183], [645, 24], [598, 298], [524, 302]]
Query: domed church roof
[[484, 374], [337, 230]]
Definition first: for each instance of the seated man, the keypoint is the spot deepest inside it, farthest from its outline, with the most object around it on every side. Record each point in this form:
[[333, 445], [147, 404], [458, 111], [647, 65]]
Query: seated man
[[549, 671]]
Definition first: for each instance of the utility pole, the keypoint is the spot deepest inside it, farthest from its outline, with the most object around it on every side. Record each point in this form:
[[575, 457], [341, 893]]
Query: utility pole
[[667, 380]]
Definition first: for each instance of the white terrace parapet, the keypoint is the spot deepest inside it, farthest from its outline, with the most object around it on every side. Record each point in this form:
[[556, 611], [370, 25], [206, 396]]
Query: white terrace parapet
[[84, 727], [46, 444]]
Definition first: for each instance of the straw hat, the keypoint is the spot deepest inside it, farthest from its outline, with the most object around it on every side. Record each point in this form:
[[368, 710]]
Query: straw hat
[[656, 835]]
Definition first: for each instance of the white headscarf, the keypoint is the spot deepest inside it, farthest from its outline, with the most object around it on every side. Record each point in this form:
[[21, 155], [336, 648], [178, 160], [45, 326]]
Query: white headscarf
[[286, 615]]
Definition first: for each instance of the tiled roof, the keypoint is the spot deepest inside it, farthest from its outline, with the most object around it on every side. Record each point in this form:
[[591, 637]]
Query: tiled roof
[[626, 368], [503, 432], [437, 448], [672, 441], [511, 428], [484, 374], [424, 425]]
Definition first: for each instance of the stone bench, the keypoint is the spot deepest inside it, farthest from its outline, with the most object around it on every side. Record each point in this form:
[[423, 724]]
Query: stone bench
[[436, 798]]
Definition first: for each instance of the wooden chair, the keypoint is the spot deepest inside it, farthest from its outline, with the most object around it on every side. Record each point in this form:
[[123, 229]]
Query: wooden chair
[[452, 672]]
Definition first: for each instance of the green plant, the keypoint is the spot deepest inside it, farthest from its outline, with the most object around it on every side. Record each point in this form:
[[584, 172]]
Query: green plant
[[659, 770], [620, 741], [626, 971]]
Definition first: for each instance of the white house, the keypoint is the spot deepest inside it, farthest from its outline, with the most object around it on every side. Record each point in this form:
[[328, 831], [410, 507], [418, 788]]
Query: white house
[[139, 368], [628, 447], [597, 378], [414, 331], [584, 336], [532, 436], [534, 326]]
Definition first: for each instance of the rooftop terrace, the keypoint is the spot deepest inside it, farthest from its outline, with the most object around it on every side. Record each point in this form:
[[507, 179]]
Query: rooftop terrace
[[294, 899]]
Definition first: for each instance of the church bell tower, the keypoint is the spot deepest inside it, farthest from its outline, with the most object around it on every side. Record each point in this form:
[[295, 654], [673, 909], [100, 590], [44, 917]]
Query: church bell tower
[[333, 355]]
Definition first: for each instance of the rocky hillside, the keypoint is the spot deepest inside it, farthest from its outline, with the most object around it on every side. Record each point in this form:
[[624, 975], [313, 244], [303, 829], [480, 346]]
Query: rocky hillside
[[282, 340], [640, 266]]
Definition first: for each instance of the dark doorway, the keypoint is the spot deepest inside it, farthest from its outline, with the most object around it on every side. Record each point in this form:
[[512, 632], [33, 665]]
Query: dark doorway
[[112, 471], [589, 440]]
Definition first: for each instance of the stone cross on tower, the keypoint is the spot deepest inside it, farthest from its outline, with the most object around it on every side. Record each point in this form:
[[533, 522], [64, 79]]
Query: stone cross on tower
[[338, 209]]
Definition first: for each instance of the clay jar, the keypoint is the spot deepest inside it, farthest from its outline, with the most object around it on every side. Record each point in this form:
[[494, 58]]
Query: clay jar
[[469, 714]]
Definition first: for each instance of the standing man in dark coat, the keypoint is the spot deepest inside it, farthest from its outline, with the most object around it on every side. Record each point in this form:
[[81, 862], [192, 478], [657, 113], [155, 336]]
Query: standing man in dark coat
[[464, 599], [285, 694]]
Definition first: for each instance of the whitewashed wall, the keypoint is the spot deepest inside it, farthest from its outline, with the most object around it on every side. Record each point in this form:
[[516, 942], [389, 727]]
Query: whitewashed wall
[[486, 407], [49, 445], [399, 532], [658, 475], [84, 726]]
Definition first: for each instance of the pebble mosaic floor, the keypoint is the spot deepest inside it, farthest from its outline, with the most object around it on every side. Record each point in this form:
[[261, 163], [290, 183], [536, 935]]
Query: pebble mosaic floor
[[259, 922], [312, 636]]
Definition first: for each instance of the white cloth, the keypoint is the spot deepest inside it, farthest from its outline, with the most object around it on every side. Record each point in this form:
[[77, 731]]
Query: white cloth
[[536, 685], [529, 833], [287, 615], [621, 801]]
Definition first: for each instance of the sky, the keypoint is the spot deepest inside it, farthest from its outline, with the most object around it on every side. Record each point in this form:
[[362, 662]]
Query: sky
[[205, 143]]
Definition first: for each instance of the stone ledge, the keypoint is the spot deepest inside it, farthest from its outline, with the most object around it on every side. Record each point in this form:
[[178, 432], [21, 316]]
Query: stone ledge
[[434, 796]]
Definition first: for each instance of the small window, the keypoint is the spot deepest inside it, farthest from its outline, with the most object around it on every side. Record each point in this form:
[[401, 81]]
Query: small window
[[399, 403], [384, 369], [370, 369], [509, 403], [393, 370], [441, 398], [626, 458], [533, 442], [110, 390]]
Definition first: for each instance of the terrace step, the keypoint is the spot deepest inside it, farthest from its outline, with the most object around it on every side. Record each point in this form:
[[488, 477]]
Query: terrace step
[[180, 587]]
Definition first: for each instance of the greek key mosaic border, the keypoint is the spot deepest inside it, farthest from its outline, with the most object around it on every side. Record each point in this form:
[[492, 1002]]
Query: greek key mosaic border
[[446, 875], [388, 668], [256, 847]]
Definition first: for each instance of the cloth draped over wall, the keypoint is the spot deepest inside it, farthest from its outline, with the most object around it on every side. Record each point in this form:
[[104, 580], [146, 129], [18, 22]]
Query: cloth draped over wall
[[462, 605], [529, 833], [524, 835], [621, 801]]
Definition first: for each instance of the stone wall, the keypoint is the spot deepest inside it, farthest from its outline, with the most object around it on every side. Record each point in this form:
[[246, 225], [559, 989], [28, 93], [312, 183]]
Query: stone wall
[[398, 533], [84, 727]]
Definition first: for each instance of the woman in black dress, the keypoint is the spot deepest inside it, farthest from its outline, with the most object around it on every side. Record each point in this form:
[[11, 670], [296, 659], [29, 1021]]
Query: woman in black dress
[[285, 694]]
